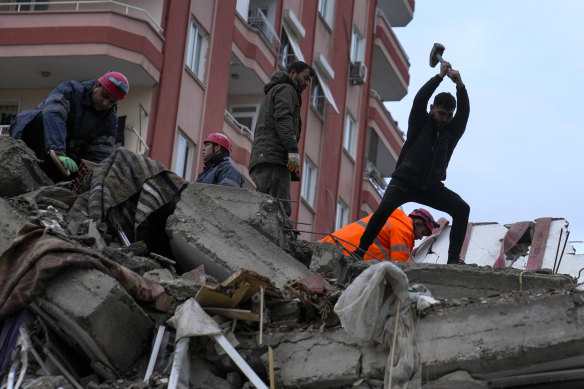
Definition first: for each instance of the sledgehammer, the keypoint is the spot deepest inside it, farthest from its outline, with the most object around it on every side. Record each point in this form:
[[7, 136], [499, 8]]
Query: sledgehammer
[[436, 55]]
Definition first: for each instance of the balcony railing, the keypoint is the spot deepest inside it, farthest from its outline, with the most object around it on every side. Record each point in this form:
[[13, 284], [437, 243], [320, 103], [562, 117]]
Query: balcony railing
[[115, 6], [238, 125], [260, 22]]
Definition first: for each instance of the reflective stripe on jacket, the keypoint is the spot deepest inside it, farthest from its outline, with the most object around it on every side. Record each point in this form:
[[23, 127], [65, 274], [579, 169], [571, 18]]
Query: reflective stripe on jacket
[[395, 240]]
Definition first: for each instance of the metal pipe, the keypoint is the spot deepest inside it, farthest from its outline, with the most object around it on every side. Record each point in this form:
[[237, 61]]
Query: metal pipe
[[561, 255], [557, 250], [154, 354]]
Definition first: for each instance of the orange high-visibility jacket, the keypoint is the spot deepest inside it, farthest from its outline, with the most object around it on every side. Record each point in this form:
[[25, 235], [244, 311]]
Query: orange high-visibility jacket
[[395, 241]]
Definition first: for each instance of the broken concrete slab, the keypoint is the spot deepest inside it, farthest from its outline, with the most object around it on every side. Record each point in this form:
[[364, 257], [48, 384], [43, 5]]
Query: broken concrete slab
[[448, 281], [92, 310], [257, 209], [501, 333], [20, 171], [444, 281], [203, 231]]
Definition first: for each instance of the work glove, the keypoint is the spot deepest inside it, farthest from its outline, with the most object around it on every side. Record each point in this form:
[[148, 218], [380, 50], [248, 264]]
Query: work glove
[[293, 162], [68, 163]]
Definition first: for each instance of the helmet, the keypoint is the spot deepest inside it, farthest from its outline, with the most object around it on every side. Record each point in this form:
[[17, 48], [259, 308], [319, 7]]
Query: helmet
[[219, 139], [426, 216], [116, 84]]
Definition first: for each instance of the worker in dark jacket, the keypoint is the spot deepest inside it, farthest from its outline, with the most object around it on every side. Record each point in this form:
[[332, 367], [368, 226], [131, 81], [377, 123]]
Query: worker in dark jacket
[[421, 166], [77, 120], [218, 169], [275, 160]]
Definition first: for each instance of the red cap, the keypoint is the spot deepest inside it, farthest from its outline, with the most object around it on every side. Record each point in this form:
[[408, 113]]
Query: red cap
[[220, 139], [426, 216], [116, 84]]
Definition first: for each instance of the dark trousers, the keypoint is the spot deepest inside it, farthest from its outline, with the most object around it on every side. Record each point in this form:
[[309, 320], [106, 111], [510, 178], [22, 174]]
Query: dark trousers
[[438, 197], [275, 181]]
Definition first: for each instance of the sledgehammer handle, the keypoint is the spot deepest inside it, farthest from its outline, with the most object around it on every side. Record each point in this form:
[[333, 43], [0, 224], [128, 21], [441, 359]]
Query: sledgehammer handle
[[439, 57]]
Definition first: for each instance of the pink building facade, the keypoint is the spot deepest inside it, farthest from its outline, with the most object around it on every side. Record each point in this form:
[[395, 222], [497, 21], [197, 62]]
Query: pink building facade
[[199, 66]]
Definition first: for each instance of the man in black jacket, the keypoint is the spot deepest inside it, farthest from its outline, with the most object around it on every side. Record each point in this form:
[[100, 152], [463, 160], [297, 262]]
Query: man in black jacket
[[421, 166]]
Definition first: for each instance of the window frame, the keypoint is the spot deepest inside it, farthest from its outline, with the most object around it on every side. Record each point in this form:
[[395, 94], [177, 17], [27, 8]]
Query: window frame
[[326, 9], [357, 46], [317, 100], [196, 54], [349, 135], [309, 181], [183, 158], [342, 214]]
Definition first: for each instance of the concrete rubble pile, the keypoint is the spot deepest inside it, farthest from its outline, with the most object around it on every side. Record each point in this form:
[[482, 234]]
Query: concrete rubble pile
[[219, 293]]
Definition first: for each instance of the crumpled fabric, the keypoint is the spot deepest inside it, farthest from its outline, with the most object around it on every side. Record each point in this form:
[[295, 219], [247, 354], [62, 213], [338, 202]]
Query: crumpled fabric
[[35, 257], [126, 177], [367, 310]]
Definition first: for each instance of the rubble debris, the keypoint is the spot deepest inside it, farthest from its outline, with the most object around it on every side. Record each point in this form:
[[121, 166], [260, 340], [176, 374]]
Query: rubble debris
[[20, 171], [270, 295]]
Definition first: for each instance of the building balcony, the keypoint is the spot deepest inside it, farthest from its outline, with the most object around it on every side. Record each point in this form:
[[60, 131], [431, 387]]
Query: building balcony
[[255, 47], [46, 43], [398, 12], [390, 74], [384, 143]]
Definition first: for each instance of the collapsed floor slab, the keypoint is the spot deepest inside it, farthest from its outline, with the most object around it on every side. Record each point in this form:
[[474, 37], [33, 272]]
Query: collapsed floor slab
[[502, 333], [222, 237]]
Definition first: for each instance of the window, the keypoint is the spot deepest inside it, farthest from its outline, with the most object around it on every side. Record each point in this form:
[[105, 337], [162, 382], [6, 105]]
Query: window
[[349, 135], [308, 188], [357, 47], [317, 96], [246, 115], [183, 156], [286, 56], [326, 9], [8, 111], [342, 218], [197, 50]]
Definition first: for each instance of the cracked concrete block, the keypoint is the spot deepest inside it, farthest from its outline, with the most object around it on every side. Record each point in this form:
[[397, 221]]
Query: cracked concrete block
[[447, 281], [319, 361], [10, 223], [501, 333], [93, 310], [207, 232], [20, 171], [257, 209]]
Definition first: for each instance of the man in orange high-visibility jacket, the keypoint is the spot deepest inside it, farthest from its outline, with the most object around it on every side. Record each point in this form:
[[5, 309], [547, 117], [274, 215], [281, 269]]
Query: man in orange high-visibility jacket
[[395, 241]]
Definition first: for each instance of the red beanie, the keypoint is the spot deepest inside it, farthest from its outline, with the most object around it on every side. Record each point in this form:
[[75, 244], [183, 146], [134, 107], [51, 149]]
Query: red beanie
[[115, 83]]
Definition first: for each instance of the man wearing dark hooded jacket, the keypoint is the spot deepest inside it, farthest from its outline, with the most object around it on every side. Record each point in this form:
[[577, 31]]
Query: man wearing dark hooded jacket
[[421, 165], [274, 160]]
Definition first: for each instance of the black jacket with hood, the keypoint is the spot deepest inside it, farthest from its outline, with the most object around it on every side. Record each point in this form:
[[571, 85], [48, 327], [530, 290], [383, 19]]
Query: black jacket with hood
[[278, 126], [426, 153]]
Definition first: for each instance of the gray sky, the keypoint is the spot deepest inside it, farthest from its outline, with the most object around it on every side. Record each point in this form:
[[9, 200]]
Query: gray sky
[[522, 156]]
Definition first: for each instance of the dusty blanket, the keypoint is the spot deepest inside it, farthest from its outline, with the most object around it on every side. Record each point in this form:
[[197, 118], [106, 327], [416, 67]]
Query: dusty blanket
[[34, 258], [128, 177]]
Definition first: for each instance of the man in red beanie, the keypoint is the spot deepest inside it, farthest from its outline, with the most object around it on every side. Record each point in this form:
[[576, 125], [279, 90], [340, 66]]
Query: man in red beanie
[[77, 120]]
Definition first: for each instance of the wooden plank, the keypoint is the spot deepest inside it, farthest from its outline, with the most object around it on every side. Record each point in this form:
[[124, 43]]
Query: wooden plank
[[239, 314]]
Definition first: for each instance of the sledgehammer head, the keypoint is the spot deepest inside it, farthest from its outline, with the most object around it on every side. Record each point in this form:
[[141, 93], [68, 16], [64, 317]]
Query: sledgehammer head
[[436, 54]]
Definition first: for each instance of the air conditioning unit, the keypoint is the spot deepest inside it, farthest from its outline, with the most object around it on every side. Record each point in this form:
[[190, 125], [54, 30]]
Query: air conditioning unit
[[357, 73]]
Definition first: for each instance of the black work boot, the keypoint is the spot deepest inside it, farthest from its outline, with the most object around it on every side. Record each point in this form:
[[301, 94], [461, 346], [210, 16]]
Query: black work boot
[[455, 261]]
